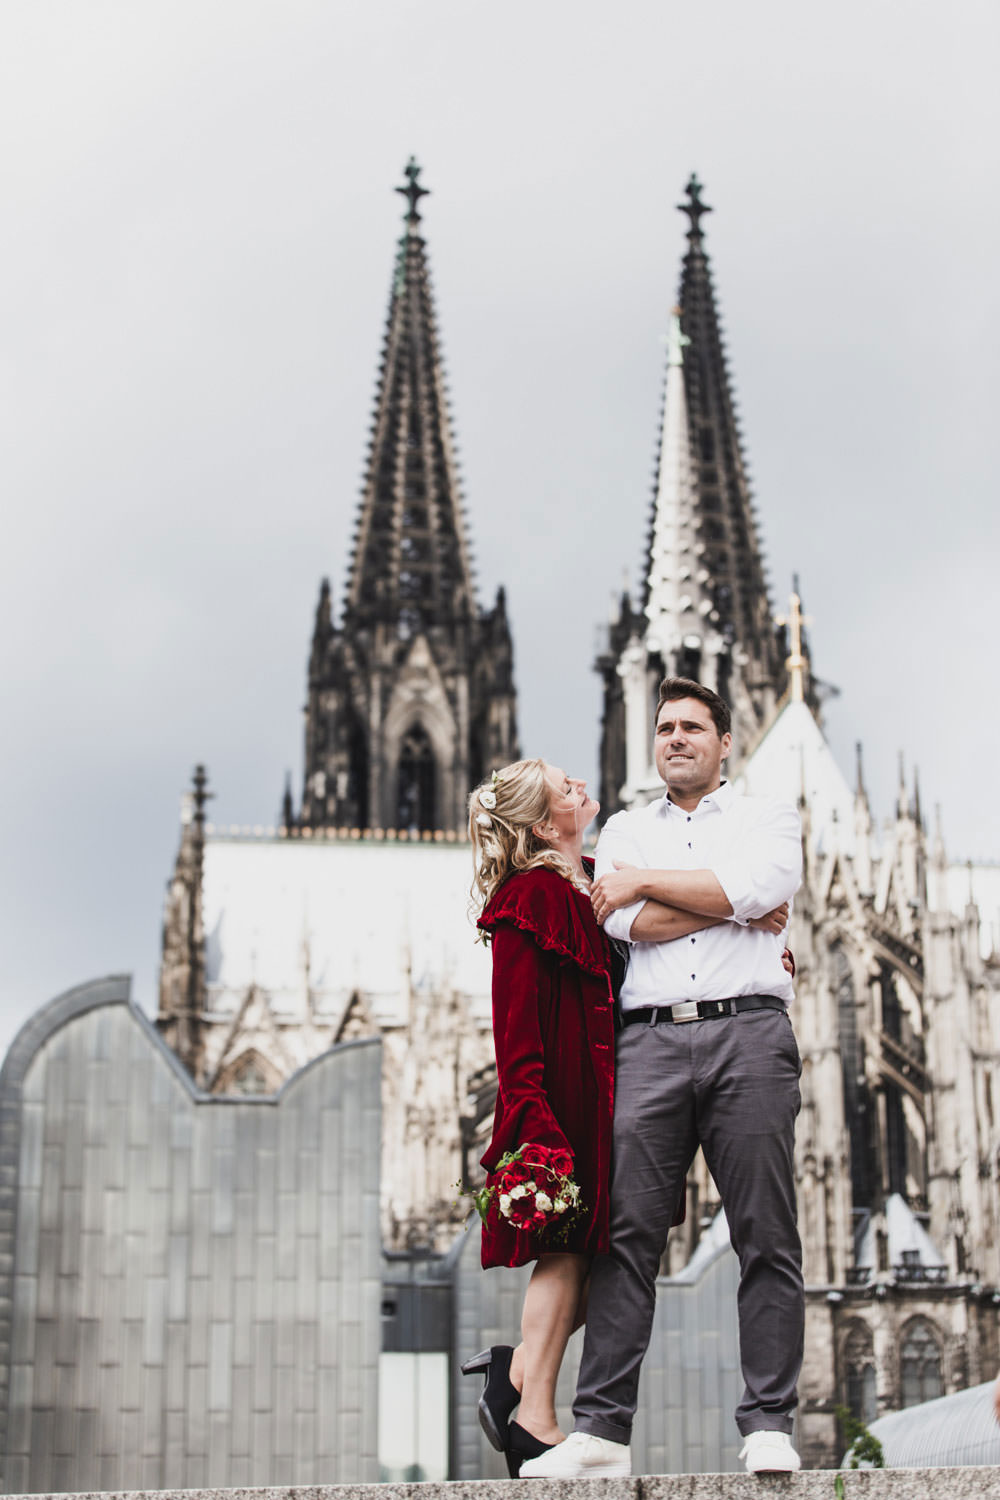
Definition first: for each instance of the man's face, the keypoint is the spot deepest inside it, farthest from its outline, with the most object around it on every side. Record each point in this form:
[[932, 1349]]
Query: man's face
[[687, 748]]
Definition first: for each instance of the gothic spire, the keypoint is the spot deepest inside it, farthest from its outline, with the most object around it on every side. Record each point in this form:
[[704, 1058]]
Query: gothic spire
[[411, 695], [411, 564], [677, 605], [182, 961], [729, 615]]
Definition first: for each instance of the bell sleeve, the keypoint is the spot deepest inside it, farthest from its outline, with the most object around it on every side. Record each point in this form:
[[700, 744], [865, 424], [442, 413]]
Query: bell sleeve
[[521, 982]]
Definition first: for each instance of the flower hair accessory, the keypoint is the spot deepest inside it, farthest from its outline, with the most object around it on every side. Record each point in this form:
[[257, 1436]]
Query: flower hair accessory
[[484, 820], [488, 796]]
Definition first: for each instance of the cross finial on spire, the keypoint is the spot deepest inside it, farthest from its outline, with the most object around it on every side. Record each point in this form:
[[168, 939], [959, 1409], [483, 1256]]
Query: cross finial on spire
[[413, 192], [694, 208], [795, 661]]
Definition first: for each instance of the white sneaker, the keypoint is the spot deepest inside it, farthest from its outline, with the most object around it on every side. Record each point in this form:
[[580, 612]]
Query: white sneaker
[[581, 1456], [770, 1453]]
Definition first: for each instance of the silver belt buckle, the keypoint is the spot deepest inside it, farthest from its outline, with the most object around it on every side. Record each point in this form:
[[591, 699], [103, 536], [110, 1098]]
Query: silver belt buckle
[[687, 1010]]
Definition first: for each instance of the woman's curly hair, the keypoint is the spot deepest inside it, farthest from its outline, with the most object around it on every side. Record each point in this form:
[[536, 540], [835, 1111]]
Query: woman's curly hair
[[503, 813]]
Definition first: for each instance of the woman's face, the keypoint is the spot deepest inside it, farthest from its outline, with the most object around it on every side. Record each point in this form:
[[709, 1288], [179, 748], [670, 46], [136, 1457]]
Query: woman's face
[[571, 811]]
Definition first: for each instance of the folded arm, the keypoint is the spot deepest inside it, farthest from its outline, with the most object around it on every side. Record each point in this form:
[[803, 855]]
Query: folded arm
[[752, 886]]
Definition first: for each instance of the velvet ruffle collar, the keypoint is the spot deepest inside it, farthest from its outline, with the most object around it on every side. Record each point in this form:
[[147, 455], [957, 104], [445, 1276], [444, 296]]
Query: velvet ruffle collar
[[557, 915]]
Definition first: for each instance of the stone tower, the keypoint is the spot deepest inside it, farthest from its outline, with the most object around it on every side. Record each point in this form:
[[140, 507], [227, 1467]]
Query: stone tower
[[411, 697], [704, 610]]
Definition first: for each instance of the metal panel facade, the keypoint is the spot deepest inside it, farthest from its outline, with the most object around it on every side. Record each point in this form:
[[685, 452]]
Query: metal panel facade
[[171, 1314]]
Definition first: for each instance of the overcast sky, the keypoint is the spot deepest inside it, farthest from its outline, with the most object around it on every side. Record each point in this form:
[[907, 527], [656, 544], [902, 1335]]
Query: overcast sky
[[199, 232]]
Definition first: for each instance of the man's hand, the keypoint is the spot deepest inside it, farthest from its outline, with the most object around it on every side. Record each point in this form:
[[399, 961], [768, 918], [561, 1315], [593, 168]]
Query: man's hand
[[616, 890], [773, 921]]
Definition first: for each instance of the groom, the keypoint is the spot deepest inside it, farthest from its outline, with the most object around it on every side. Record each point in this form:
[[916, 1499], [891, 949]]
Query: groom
[[705, 1057]]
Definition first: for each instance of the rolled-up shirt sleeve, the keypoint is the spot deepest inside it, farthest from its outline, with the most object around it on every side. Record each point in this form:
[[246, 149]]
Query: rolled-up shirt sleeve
[[614, 843], [767, 868]]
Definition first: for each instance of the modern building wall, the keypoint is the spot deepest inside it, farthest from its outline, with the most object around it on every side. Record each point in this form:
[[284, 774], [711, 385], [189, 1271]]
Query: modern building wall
[[189, 1285]]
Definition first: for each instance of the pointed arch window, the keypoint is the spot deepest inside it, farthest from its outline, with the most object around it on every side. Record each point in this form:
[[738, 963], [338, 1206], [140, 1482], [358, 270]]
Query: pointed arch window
[[859, 1374], [417, 788], [249, 1074], [856, 1101], [920, 1363]]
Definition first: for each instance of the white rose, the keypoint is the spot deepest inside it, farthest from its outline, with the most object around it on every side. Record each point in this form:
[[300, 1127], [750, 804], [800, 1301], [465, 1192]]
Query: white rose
[[488, 799], [560, 1205], [544, 1202], [505, 1204], [520, 1191]]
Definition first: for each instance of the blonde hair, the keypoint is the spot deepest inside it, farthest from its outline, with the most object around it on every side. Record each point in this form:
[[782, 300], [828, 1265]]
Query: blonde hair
[[502, 834]]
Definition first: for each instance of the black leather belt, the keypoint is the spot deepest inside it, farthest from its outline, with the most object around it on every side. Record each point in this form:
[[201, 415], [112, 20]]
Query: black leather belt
[[698, 1010]]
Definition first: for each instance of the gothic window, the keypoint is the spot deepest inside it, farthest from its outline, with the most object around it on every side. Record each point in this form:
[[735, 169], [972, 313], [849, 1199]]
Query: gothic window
[[856, 1103], [920, 1363], [859, 1374], [249, 1077], [356, 806], [417, 776], [689, 660], [408, 622], [895, 1145]]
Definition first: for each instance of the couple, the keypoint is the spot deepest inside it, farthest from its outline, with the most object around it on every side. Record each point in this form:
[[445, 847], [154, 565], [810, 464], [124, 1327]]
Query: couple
[[610, 1101]]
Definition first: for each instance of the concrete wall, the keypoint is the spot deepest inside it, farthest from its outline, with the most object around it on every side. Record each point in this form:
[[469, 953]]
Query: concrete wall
[[189, 1286]]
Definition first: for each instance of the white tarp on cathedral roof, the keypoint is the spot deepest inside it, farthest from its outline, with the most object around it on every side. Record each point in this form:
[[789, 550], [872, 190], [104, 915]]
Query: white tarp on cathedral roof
[[792, 761], [314, 922]]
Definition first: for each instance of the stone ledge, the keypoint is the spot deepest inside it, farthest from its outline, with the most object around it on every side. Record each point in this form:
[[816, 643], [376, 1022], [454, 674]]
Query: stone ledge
[[815, 1484]]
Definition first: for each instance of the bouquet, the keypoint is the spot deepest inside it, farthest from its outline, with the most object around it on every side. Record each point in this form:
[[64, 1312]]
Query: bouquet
[[535, 1189]]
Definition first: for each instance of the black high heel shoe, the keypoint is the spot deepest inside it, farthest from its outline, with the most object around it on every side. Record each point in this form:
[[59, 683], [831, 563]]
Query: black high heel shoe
[[499, 1397], [523, 1445]]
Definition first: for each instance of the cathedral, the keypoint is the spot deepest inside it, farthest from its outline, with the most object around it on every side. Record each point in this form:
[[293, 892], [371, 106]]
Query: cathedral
[[349, 919]]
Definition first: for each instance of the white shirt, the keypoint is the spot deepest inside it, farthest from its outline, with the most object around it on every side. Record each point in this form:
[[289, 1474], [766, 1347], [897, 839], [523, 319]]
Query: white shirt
[[753, 846]]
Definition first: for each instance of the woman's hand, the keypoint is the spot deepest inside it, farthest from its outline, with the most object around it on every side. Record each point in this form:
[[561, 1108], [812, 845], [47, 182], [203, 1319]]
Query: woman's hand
[[617, 888], [772, 921]]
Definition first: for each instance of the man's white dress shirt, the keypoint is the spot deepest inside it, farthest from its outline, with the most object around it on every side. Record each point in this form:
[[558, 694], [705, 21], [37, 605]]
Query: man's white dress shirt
[[753, 846]]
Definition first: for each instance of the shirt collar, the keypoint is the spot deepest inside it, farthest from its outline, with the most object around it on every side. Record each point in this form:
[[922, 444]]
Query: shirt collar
[[720, 799]]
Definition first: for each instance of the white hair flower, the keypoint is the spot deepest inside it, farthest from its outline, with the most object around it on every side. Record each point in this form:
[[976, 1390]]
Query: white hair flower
[[484, 820], [488, 799]]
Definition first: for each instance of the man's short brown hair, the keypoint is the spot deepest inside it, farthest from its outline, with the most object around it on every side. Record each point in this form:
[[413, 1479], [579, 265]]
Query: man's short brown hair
[[674, 688]]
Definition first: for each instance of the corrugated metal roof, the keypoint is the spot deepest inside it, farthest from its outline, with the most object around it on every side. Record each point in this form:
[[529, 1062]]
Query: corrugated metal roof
[[942, 1434]]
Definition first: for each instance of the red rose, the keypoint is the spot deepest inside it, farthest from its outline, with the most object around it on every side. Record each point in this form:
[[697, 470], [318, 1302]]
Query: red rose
[[517, 1172], [562, 1163], [522, 1213]]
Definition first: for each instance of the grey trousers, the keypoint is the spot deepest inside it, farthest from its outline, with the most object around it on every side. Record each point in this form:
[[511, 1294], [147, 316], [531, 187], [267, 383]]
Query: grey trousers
[[731, 1086]]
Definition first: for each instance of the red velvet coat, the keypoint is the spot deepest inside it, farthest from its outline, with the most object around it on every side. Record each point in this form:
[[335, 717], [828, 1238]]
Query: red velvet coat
[[553, 1027]]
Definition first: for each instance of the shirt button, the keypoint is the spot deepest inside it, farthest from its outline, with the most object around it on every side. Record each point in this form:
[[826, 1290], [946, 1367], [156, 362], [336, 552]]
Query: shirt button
[[692, 976], [689, 845], [692, 940]]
